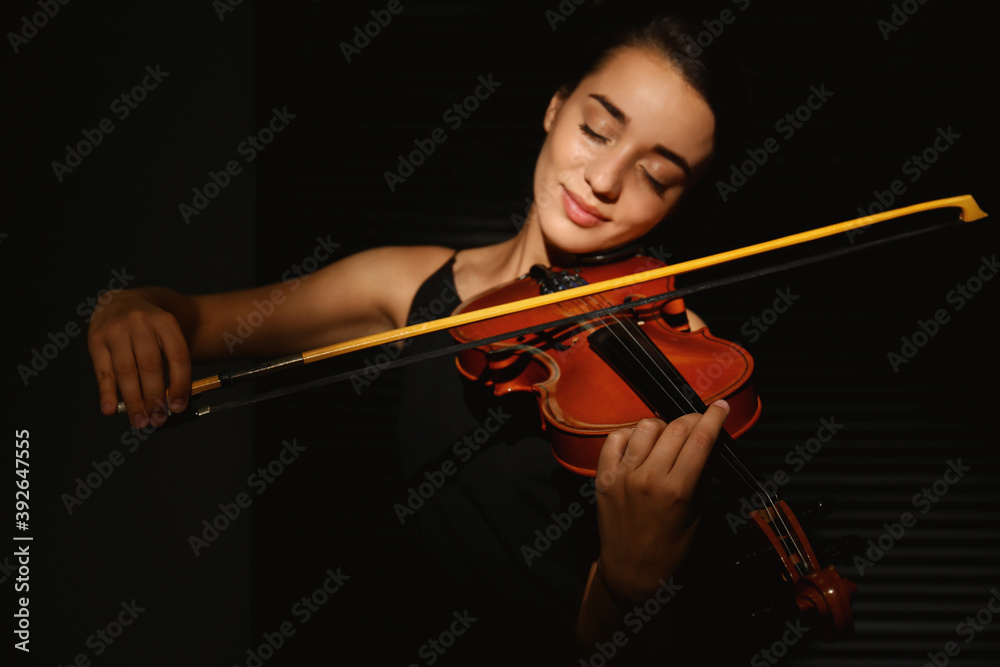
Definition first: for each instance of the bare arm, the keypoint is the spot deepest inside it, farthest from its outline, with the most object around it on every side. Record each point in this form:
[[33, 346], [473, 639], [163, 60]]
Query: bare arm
[[647, 479], [144, 332]]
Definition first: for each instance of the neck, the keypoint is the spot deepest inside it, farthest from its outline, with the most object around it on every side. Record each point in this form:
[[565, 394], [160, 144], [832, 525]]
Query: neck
[[478, 269], [528, 248]]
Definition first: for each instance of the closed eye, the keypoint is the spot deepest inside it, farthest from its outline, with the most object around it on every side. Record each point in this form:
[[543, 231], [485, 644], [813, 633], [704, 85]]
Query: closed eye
[[660, 188], [587, 130]]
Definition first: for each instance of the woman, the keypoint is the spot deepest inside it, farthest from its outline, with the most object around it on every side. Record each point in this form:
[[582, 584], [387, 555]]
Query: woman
[[625, 144]]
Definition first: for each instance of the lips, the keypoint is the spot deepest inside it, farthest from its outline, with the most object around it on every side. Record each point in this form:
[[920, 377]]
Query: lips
[[580, 212]]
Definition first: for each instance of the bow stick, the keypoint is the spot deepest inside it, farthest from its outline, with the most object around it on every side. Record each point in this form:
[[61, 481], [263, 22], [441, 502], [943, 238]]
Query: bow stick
[[970, 211]]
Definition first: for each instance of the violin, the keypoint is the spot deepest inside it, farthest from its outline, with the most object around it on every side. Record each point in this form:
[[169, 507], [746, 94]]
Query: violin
[[557, 365], [645, 352], [598, 374]]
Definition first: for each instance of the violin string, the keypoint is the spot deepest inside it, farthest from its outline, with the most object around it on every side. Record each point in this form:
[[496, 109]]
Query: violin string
[[733, 461], [767, 499], [686, 407]]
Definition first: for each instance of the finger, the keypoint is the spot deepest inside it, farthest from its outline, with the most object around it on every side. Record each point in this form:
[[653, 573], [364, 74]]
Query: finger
[[149, 360], [106, 386], [668, 445], [610, 458], [698, 446], [178, 357], [624, 450], [127, 376], [641, 442]]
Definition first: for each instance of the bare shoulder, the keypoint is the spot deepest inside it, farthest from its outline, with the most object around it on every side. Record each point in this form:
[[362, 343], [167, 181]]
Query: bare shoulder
[[399, 271], [412, 262]]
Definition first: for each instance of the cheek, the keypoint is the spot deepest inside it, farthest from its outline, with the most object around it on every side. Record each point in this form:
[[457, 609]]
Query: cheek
[[581, 153], [557, 163], [567, 147], [642, 210]]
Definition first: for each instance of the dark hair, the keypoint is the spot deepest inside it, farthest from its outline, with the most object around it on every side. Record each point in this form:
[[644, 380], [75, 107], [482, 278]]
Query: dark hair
[[712, 71]]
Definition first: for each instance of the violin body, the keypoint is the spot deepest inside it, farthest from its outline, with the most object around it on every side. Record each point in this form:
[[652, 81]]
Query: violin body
[[582, 399], [600, 373]]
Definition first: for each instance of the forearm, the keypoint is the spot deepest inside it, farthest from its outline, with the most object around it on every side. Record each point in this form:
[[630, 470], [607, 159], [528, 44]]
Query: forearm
[[203, 319], [181, 306], [601, 619]]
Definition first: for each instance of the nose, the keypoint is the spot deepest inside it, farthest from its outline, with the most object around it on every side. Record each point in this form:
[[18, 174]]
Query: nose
[[604, 174]]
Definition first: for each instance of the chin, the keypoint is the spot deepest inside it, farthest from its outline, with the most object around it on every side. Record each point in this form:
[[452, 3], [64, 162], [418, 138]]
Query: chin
[[579, 244], [567, 237]]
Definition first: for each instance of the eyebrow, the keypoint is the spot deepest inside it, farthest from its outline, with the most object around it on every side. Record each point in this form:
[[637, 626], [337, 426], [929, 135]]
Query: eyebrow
[[623, 119]]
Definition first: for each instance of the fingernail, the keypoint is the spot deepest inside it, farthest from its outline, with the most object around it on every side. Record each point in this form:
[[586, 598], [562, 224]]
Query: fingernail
[[159, 417], [176, 405], [139, 420]]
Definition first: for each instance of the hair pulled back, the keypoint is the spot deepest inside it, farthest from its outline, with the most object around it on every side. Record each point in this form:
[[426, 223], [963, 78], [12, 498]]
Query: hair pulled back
[[712, 71]]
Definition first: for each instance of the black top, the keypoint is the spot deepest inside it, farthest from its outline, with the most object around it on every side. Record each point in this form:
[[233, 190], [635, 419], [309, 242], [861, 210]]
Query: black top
[[508, 535], [487, 480]]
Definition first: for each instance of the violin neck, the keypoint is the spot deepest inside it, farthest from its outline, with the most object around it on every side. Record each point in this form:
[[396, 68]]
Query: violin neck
[[820, 591], [624, 346]]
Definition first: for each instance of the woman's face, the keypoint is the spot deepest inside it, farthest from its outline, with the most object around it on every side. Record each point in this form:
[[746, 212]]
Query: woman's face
[[621, 150]]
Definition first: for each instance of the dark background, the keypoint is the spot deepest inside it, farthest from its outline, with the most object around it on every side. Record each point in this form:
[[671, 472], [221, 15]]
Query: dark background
[[323, 176]]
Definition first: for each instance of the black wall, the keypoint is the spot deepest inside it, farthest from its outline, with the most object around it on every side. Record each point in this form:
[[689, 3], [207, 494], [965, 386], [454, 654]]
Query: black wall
[[117, 211], [893, 93]]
